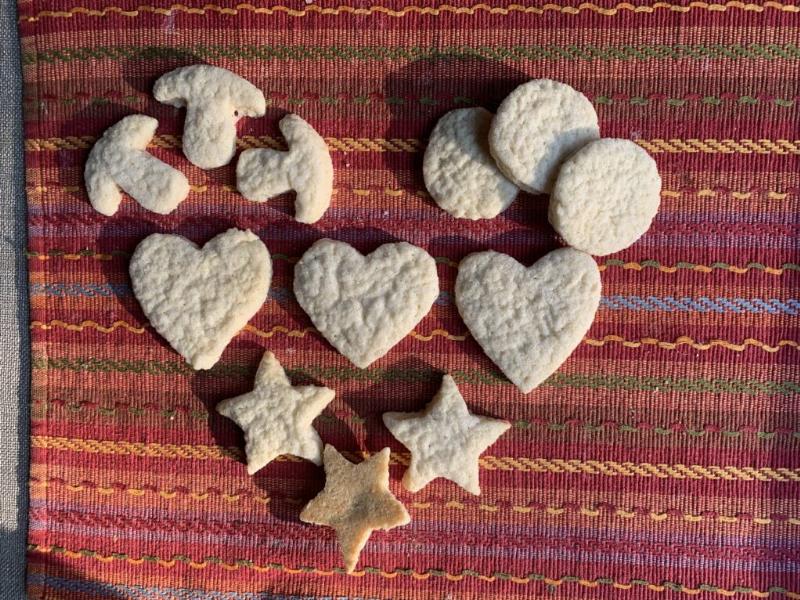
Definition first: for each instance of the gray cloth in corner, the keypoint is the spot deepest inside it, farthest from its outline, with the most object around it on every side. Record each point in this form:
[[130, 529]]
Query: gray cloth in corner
[[14, 342]]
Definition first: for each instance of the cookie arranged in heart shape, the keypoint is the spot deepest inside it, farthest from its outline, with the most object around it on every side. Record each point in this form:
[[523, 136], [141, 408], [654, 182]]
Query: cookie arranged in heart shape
[[528, 320], [364, 305], [198, 299]]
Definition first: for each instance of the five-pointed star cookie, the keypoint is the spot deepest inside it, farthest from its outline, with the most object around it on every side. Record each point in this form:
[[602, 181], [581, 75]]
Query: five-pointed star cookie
[[355, 501], [276, 417], [445, 439]]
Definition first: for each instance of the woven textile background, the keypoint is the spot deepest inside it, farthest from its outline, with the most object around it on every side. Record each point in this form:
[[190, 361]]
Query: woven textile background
[[660, 460], [14, 343]]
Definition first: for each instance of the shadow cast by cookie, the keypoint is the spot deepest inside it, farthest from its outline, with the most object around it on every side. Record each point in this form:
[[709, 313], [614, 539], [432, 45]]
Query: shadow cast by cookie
[[422, 91], [49, 576], [415, 378]]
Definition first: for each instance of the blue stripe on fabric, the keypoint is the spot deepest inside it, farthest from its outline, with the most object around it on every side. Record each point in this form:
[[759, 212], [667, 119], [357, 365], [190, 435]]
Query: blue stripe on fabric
[[480, 553], [634, 303], [702, 305], [89, 290], [109, 590]]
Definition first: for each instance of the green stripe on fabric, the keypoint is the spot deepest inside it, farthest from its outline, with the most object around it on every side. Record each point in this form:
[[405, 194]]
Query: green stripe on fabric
[[557, 380], [139, 367], [376, 98], [86, 408], [389, 53]]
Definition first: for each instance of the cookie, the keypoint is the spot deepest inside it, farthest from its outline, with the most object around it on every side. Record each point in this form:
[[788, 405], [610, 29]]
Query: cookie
[[528, 320], [215, 100], [445, 440], [605, 197], [119, 160], [356, 500], [276, 416], [306, 168], [536, 127], [198, 299], [460, 173], [364, 305]]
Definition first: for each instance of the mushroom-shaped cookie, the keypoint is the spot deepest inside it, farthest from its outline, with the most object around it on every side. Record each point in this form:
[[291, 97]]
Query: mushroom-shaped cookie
[[215, 99], [119, 160], [306, 168]]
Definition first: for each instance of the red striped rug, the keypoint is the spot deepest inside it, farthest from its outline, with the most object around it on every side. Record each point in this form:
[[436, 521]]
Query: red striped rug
[[660, 460]]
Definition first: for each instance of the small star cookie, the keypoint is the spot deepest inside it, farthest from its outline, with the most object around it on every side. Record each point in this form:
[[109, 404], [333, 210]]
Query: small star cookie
[[276, 416], [355, 501], [445, 439]]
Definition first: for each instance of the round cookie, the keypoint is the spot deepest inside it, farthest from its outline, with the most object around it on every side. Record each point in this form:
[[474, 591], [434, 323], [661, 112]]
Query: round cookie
[[460, 173], [537, 126], [605, 197]]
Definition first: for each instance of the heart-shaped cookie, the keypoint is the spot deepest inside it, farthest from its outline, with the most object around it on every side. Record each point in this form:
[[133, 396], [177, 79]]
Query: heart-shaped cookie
[[364, 305], [528, 320], [198, 299]]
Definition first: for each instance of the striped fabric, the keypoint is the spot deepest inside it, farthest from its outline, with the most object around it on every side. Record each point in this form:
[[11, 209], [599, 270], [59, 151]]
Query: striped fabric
[[662, 459]]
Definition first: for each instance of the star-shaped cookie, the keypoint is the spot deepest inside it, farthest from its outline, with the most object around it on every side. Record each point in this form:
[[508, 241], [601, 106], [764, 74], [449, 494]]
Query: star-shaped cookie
[[276, 417], [445, 439], [355, 501]]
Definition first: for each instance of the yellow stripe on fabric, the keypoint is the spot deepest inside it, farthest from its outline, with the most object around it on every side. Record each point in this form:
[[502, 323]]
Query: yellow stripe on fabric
[[312, 9], [465, 574], [685, 265], [521, 464], [90, 324], [399, 192], [687, 341], [408, 145], [345, 144], [646, 341], [106, 489], [143, 449], [711, 146]]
